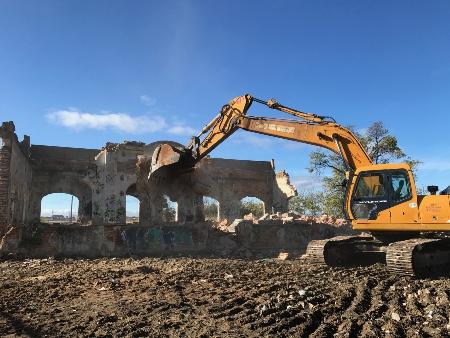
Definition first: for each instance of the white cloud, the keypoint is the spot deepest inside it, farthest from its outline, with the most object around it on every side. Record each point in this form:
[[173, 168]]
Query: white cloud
[[119, 121], [148, 100], [182, 130], [307, 182]]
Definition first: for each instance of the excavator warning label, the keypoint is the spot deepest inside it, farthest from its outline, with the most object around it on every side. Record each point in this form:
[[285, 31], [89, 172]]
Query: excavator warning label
[[276, 127]]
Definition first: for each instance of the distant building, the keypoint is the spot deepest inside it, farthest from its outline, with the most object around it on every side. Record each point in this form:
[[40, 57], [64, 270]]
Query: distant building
[[58, 218]]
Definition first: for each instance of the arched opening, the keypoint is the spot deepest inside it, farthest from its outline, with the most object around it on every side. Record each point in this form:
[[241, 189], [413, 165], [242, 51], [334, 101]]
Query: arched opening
[[252, 205], [132, 205], [210, 208], [59, 208], [169, 210], [132, 209]]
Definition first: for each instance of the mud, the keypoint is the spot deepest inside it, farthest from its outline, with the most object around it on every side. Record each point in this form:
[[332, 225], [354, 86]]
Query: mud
[[212, 297]]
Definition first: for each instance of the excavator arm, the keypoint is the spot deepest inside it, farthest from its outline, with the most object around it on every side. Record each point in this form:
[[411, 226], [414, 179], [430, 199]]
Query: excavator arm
[[306, 128]]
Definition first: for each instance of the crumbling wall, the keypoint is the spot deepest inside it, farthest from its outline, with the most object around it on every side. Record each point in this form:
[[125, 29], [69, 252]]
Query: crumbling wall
[[20, 184], [101, 179], [112, 175], [60, 170], [5, 160], [15, 177], [283, 190], [227, 181]]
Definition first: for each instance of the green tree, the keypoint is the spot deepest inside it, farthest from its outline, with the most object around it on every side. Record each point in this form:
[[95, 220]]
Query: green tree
[[210, 209], [381, 146], [169, 211], [307, 203], [252, 206]]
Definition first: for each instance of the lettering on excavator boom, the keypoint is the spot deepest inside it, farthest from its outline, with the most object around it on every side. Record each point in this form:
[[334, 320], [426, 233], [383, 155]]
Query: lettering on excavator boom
[[275, 127]]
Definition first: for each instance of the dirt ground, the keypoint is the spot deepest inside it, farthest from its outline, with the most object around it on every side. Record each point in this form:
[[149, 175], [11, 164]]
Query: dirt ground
[[187, 297]]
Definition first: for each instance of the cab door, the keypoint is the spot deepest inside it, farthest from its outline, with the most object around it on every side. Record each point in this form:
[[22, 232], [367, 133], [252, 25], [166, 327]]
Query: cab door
[[370, 199], [402, 200]]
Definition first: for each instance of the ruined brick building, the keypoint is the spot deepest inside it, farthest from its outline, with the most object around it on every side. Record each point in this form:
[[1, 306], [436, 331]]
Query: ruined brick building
[[101, 179]]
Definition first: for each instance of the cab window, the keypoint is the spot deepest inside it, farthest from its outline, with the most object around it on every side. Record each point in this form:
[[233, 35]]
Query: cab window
[[370, 196], [370, 186], [401, 189]]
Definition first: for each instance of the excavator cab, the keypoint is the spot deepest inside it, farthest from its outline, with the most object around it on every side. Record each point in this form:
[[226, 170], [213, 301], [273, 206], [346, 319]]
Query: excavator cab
[[376, 190]]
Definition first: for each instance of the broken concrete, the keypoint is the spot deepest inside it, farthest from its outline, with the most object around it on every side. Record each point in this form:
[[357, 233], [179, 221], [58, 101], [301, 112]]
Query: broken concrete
[[285, 236], [273, 234]]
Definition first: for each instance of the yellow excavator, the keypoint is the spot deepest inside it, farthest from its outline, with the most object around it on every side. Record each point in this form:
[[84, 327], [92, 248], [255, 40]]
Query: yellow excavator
[[409, 232]]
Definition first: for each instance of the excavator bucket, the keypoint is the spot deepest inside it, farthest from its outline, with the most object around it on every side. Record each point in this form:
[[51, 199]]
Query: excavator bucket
[[168, 160]]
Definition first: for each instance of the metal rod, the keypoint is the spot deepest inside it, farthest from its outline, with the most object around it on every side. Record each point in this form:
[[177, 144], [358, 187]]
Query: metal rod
[[209, 125], [71, 206], [260, 101]]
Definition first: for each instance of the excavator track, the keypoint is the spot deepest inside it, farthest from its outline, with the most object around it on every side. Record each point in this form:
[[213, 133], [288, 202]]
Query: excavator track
[[345, 251], [315, 251], [419, 257]]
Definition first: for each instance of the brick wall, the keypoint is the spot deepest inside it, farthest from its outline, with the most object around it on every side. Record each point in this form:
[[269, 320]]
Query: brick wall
[[5, 158]]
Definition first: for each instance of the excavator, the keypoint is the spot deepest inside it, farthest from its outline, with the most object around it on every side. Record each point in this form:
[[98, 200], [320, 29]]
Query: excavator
[[407, 231]]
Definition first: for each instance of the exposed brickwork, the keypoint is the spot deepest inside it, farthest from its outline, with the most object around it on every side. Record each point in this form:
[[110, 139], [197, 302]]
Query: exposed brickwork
[[5, 159]]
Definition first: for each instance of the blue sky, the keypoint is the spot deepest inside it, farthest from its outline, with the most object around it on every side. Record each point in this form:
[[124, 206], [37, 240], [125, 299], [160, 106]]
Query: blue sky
[[81, 73]]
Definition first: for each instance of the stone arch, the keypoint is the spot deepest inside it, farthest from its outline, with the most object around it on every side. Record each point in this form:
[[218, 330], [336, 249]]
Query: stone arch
[[68, 215], [252, 204], [44, 185], [132, 201], [170, 209], [211, 207]]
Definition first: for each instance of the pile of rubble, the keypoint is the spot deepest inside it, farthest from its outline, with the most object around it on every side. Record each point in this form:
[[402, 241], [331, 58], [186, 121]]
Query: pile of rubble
[[289, 217], [281, 235], [282, 218]]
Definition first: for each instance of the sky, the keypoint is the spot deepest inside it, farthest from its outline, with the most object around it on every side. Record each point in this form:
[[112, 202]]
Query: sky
[[82, 73]]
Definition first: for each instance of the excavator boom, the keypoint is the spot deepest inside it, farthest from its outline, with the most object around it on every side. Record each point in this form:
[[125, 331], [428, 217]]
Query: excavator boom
[[307, 128]]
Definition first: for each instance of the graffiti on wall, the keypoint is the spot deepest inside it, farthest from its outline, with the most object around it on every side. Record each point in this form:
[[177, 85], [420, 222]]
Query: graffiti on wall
[[138, 238]]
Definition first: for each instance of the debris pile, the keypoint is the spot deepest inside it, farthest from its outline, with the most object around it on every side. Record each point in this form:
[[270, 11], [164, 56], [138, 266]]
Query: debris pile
[[292, 217], [282, 218], [280, 235]]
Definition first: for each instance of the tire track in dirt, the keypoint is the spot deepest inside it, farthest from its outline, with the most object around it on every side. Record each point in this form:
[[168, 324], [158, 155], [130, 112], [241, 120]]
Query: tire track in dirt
[[282, 322], [356, 301]]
